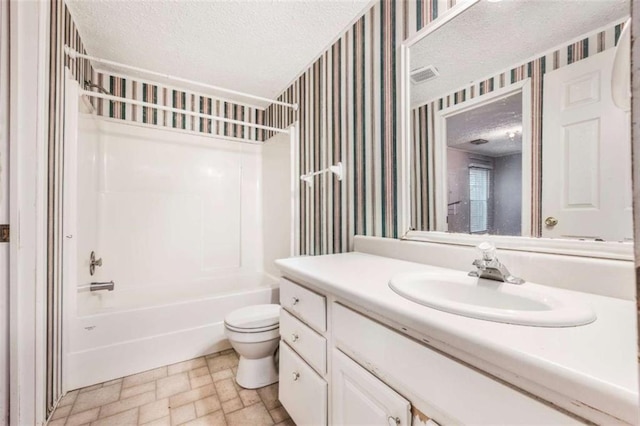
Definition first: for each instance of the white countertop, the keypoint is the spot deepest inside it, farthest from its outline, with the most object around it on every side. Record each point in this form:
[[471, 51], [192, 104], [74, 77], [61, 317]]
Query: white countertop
[[594, 366]]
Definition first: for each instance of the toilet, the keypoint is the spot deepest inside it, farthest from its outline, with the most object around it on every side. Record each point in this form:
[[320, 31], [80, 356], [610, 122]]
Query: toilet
[[254, 332]]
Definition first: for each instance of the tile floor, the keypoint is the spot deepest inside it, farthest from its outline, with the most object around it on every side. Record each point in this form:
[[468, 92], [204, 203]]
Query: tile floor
[[201, 391]]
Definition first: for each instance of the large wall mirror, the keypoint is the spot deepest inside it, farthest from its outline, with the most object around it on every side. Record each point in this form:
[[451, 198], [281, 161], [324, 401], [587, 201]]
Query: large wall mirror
[[513, 126]]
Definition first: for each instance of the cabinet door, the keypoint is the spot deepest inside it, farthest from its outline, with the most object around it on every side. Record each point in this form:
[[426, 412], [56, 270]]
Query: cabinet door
[[302, 392], [359, 398]]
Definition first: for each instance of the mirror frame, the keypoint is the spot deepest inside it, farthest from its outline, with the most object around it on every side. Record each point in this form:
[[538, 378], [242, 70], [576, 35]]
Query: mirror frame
[[594, 249]]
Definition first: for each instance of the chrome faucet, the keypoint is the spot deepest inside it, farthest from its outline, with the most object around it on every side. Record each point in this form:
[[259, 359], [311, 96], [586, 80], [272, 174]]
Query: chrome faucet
[[489, 266]]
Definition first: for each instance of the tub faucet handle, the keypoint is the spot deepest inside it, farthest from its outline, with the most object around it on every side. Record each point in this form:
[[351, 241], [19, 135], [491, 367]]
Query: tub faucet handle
[[93, 262]]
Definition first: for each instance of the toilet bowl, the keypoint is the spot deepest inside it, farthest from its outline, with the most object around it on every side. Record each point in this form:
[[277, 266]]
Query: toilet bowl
[[254, 332]]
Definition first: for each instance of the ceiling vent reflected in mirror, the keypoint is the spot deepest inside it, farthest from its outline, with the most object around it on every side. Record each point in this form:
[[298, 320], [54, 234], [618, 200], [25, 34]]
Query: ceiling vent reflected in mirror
[[478, 142], [423, 74]]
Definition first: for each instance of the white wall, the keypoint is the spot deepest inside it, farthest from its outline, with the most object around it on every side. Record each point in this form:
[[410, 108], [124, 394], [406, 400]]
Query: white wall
[[27, 188], [507, 195], [4, 213], [276, 200], [166, 208]]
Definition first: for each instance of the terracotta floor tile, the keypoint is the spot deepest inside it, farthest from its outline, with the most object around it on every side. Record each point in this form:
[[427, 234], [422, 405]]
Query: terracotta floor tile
[[154, 411], [226, 390], [163, 421], [201, 391], [207, 405], [221, 375], [232, 405], [127, 404], [191, 396], [96, 398], [183, 414], [127, 418], [144, 377], [279, 414], [200, 381], [181, 367], [254, 415], [214, 419], [269, 395], [222, 362], [137, 390], [172, 385], [83, 417], [61, 412], [69, 398], [249, 397]]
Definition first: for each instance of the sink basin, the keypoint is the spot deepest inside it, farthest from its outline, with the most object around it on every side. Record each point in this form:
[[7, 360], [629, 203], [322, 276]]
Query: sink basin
[[457, 293]]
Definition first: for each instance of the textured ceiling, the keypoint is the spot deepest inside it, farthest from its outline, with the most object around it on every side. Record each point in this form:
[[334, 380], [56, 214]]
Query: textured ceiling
[[256, 46], [490, 37], [492, 122]]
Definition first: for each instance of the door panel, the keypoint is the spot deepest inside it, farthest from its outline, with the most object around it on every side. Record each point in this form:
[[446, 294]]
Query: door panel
[[586, 154], [302, 391]]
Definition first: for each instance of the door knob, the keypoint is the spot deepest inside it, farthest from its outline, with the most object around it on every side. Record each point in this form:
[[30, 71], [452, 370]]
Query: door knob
[[295, 300], [551, 221], [294, 337], [296, 375]]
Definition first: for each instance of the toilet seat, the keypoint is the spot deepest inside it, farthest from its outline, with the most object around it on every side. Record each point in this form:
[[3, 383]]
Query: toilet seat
[[251, 330], [254, 319]]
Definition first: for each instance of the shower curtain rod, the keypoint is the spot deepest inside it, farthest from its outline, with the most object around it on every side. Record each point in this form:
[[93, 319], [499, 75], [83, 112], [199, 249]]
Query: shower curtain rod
[[180, 111], [73, 54]]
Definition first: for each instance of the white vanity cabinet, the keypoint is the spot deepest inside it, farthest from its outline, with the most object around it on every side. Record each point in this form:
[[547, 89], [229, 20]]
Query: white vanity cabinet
[[341, 367], [358, 397]]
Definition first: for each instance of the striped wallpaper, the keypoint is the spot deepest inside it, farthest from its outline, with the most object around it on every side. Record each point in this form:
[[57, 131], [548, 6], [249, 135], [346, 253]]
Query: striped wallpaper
[[423, 119], [349, 112], [138, 90]]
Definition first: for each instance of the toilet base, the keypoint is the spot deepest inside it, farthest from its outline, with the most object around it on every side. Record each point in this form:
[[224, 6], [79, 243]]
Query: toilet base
[[256, 373]]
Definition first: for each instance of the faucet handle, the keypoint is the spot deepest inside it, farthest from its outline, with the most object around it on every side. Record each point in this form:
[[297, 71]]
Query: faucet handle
[[488, 250]]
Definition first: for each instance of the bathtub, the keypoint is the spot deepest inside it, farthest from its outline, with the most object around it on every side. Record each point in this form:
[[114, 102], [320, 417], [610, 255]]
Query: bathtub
[[124, 332]]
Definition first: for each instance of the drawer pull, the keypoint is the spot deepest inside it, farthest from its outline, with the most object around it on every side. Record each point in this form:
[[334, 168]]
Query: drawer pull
[[393, 421], [294, 337], [295, 300], [296, 376]]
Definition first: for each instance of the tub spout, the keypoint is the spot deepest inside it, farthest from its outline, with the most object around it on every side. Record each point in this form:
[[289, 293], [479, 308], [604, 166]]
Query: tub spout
[[107, 285]]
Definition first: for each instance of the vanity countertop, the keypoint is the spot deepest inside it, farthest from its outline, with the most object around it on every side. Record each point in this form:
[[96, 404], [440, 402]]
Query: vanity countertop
[[591, 368]]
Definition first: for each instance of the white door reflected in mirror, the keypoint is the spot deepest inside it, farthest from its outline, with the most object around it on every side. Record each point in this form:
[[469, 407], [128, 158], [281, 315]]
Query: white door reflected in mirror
[[586, 190]]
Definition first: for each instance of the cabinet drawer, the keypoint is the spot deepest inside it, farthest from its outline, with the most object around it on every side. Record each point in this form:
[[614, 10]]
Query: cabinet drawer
[[310, 345], [301, 391], [305, 304], [450, 391]]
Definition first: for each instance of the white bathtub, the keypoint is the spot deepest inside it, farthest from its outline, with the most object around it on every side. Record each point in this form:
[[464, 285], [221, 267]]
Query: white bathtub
[[125, 332]]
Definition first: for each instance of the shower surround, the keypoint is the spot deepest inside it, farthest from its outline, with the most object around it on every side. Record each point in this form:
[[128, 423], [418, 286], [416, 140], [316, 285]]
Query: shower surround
[[176, 220]]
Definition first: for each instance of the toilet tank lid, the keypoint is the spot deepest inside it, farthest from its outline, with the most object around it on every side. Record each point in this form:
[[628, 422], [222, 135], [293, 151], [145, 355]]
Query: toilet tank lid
[[255, 316]]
